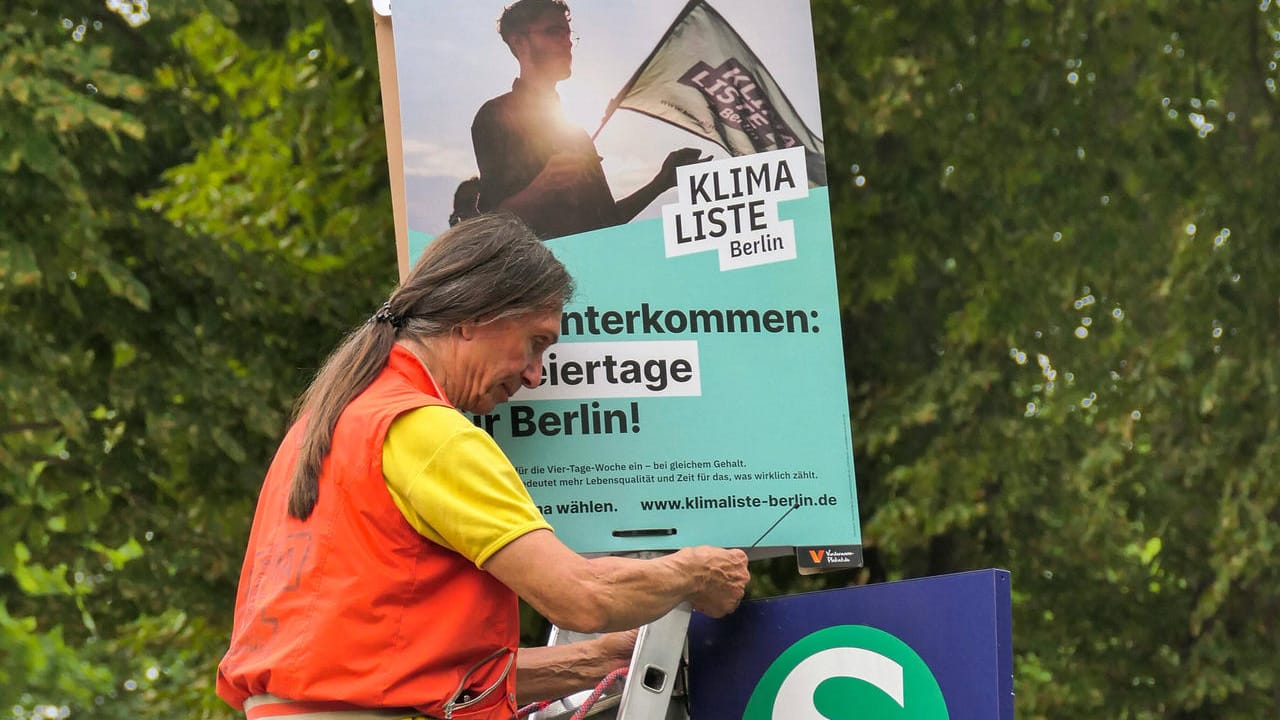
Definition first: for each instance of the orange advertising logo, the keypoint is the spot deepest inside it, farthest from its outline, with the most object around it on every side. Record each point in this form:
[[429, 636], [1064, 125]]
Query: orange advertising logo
[[816, 555]]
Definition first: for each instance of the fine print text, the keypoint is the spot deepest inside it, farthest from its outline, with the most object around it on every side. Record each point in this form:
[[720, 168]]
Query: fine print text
[[584, 488]]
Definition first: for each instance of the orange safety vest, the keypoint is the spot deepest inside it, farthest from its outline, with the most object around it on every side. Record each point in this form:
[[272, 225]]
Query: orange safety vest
[[352, 608]]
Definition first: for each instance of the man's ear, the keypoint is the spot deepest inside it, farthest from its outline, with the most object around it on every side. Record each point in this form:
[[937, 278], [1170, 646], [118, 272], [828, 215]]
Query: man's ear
[[518, 45], [466, 330]]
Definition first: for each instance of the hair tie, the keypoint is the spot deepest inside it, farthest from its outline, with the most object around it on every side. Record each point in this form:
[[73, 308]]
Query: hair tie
[[385, 315]]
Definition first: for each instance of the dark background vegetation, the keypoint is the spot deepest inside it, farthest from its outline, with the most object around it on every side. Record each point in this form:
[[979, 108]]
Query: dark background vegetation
[[1056, 228]]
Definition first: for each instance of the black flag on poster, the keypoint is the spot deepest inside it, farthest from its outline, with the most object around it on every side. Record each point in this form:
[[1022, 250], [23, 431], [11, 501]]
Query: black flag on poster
[[703, 77]]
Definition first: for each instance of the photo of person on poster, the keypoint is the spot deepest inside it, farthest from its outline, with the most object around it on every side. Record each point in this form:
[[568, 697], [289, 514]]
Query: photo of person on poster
[[616, 87], [535, 163]]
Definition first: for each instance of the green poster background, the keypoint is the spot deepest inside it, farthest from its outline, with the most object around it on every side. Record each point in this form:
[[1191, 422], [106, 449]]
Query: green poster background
[[770, 429]]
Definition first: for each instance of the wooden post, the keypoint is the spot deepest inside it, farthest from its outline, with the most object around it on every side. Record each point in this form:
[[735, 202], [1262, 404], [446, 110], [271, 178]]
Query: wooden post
[[395, 140]]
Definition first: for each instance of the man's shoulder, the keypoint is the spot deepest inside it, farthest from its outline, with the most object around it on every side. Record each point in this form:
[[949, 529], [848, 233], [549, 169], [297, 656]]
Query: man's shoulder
[[494, 110]]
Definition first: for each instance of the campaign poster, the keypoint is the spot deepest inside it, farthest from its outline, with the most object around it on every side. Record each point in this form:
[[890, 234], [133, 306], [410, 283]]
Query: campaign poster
[[670, 154]]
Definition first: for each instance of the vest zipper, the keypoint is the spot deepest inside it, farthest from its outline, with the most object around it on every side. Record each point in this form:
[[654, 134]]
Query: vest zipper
[[453, 703]]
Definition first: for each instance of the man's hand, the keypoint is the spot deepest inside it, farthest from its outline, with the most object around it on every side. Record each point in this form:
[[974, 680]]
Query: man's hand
[[616, 648], [723, 578], [666, 178]]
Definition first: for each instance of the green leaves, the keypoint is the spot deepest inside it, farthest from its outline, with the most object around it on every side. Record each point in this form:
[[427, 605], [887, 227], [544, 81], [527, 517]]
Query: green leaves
[[34, 579], [18, 267], [279, 179], [52, 90], [148, 360]]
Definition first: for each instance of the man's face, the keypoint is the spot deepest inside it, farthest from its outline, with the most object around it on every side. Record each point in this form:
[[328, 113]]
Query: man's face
[[546, 47], [497, 358]]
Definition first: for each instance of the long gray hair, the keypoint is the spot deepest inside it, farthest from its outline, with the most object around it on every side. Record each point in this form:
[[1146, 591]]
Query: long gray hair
[[482, 269]]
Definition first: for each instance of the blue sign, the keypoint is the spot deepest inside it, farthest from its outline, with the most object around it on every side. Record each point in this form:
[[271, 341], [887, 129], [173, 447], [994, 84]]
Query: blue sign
[[938, 648]]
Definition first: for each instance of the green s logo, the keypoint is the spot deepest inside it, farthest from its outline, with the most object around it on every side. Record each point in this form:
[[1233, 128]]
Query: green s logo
[[846, 672]]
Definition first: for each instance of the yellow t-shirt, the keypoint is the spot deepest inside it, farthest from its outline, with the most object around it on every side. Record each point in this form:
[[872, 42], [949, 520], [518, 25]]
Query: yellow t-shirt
[[453, 484]]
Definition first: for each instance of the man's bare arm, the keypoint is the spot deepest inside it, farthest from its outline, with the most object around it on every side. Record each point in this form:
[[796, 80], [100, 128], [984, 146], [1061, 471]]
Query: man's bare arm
[[547, 673], [631, 206], [613, 593]]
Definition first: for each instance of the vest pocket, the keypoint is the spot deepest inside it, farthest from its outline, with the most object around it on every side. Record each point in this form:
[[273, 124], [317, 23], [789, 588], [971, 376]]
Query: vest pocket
[[466, 703]]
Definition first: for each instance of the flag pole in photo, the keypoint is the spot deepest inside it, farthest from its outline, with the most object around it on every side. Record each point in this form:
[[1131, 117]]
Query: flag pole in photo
[[617, 99], [703, 77]]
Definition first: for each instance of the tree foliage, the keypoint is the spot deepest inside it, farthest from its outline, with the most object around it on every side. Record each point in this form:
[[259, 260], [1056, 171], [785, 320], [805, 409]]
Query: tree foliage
[[1056, 235], [1061, 288], [196, 207]]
